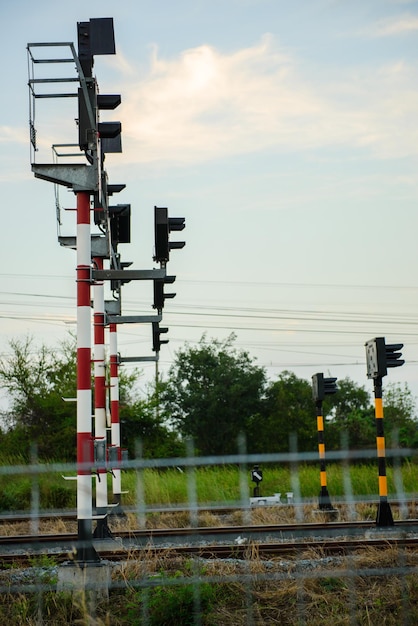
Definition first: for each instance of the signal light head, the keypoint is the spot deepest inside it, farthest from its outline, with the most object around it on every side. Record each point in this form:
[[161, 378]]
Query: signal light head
[[161, 234], [380, 356], [120, 223], [393, 356], [176, 223], [163, 226], [322, 387], [159, 295], [156, 332]]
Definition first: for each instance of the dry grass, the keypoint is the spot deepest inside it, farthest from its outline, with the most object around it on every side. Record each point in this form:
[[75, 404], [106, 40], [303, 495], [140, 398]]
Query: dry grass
[[308, 588], [305, 589], [368, 587], [262, 515]]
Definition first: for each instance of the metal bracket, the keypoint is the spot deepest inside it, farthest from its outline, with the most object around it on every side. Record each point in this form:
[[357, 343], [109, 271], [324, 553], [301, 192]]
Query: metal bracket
[[78, 176], [133, 319], [134, 359], [99, 244], [153, 274], [113, 307]]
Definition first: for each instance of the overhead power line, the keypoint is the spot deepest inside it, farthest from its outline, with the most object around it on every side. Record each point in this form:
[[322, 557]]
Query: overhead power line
[[252, 312], [200, 281]]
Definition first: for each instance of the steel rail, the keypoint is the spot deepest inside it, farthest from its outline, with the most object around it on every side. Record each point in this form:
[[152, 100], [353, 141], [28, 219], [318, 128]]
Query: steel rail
[[224, 535], [216, 551]]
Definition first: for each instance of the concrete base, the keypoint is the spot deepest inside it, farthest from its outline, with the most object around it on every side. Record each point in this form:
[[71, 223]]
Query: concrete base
[[271, 500], [94, 579], [328, 514], [266, 500]]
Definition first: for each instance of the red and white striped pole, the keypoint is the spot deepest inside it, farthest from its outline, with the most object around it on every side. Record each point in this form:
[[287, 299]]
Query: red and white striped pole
[[114, 409], [100, 431], [85, 454]]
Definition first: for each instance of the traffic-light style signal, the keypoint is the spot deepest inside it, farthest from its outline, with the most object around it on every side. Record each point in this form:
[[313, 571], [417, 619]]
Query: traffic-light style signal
[[96, 37], [88, 120], [120, 224], [156, 332], [322, 387], [163, 226], [159, 294], [381, 356]]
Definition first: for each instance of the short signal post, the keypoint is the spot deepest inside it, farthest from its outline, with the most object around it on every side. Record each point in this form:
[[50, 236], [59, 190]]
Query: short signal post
[[381, 356], [320, 388], [256, 477]]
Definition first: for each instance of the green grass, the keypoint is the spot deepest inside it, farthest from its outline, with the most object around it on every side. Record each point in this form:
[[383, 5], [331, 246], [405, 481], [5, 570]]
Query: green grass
[[222, 484], [212, 484]]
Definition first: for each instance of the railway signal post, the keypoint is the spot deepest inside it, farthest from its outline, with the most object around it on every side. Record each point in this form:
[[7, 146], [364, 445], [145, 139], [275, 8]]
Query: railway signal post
[[320, 388], [86, 180], [256, 477], [381, 356]]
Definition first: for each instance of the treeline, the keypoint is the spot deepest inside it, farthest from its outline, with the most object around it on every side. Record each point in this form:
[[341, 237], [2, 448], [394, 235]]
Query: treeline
[[212, 393]]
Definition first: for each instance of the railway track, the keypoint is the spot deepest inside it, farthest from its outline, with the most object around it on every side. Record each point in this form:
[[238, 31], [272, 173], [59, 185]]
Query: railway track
[[238, 552], [221, 542]]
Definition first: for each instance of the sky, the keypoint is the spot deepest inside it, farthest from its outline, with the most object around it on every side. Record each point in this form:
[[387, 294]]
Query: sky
[[286, 134]]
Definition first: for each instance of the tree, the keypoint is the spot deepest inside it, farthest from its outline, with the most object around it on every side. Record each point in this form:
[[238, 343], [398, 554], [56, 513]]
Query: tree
[[38, 378], [359, 426], [36, 381], [400, 416], [349, 397], [212, 393], [141, 424], [288, 409], [349, 411]]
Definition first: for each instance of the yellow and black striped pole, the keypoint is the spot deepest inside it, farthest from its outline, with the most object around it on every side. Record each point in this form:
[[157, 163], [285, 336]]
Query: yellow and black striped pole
[[384, 513], [322, 387], [324, 499], [379, 357]]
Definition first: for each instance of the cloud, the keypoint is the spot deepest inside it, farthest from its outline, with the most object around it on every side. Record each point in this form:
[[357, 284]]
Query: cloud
[[204, 105], [9, 134], [395, 26]]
